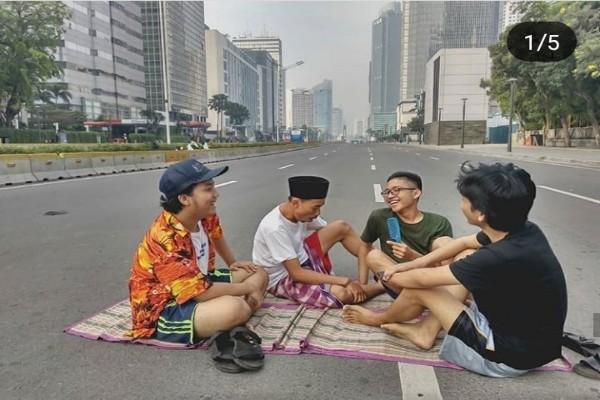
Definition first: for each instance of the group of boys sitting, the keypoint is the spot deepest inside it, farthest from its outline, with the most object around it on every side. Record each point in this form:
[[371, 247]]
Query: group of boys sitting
[[500, 295]]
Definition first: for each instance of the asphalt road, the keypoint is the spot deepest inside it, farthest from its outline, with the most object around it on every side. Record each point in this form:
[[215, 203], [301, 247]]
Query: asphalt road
[[58, 269]]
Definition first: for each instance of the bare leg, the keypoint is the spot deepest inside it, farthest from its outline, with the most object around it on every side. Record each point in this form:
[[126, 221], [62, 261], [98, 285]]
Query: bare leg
[[445, 305], [260, 279], [220, 314], [339, 232], [346, 297]]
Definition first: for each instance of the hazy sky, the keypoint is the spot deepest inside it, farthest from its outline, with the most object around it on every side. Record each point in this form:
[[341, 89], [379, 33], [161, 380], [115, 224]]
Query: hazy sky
[[333, 38]]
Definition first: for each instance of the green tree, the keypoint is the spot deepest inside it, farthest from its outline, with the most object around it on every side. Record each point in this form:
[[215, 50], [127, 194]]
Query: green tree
[[218, 103], [417, 124], [153, 118], [29, 35], [237, 113]]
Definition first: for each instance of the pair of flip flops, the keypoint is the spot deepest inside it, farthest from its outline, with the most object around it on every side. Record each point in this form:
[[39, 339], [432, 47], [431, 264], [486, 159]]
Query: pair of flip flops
[[590, 366], [237, 350]]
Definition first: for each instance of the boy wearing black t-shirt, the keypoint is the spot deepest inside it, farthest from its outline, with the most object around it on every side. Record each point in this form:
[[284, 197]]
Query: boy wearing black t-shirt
[[515, 322]]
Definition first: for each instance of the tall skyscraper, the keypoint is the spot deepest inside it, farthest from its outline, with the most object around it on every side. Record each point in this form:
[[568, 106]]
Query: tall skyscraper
[[267, 83], [385, 72], [101, 52], [429, 26], [274, 47], [510, 14], [179, 25], [337, 122], [323, 105], [233, 72], [300, 104]]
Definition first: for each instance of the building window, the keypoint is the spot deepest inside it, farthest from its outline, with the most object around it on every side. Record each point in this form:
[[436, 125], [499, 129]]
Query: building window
[[93, 52]]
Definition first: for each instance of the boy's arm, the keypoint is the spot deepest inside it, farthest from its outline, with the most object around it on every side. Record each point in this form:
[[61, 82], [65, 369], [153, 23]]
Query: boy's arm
[[224, 251], [445, 252], [299, 274]]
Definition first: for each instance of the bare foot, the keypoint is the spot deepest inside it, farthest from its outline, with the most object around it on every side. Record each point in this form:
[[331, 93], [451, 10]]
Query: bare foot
[[412, 333], [360, 315]]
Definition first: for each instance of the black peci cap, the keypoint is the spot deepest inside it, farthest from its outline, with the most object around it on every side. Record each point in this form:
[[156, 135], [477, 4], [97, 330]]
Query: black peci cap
[[308, 187]]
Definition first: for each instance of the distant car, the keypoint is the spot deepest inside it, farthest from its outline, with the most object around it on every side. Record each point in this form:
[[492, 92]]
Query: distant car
[[355, 141]]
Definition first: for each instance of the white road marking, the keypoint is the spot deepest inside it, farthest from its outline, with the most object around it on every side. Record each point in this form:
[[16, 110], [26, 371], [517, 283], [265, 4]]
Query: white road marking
[[371, 158], [434, 158], [325, 154], [225, 184], [373, 168], [418, 382], [312, 158], [286, 166], [377, 193], [333, 151], [418, 154], [570, 194]]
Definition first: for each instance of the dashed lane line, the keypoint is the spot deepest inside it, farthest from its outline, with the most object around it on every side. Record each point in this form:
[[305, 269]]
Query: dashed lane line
[[571, 194], [286, 166], [225, 184], [377, 193], [373, 168], [312, 158], [434, 158], [418, 382]]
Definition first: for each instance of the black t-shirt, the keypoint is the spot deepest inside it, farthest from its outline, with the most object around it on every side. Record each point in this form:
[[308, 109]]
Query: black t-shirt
[[518, 284]]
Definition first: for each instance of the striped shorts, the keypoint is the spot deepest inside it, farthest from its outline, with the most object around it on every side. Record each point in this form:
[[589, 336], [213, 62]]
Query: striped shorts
[[313, 295]]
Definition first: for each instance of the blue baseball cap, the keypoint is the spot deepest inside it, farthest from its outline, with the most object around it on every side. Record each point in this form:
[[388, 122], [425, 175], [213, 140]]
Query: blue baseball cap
[[184, 174]]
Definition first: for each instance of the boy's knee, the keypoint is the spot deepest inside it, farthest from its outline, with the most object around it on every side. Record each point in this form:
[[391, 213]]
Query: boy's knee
[[373, 257], [342, 226], [463, 254]]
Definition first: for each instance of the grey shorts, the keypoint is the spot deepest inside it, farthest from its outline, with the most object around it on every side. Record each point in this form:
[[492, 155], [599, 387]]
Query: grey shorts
[[469, 338]]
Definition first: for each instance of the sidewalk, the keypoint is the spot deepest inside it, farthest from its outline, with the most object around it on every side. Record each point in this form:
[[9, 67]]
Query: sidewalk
[[586, 157]]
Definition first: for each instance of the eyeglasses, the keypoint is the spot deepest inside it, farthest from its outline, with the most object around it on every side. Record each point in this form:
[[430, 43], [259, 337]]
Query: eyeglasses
[[395, 191]]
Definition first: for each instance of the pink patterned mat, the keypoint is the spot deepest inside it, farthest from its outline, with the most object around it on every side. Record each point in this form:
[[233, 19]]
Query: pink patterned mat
[[289, 328]]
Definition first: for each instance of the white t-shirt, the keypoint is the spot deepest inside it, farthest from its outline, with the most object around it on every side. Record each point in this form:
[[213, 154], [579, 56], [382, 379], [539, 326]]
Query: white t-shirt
[[278, 239], [200, 241]]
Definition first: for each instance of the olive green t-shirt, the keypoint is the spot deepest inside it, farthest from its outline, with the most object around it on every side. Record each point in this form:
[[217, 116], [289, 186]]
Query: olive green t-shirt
[[419, 236]]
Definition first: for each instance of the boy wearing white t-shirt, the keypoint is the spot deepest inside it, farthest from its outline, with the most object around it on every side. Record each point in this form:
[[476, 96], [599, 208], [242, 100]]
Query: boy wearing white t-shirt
[[296, 259]]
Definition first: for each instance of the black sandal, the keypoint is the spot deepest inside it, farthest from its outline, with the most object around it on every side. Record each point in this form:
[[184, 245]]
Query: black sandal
[[580, 344], [589, 367], [221, 347], [247, 352]]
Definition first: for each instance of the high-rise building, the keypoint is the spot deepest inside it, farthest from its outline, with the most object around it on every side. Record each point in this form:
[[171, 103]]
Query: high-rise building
[[300, 104], [233, 72], [385, 72], [101, 52], [510, 14], [274, 47], [337, 122], [323, 105], [175, 28], [359, 126], [267, 84], [430, 26]]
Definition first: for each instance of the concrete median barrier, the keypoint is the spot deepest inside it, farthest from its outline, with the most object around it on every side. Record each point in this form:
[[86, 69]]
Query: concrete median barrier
[[78, 165], [15, 169], [48, 167], [173, 156], [125, 162], [103, 163], [143, 161], [158, 160]]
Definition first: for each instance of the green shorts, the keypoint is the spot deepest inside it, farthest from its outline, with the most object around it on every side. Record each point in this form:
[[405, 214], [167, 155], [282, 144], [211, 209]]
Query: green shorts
[[176, 321]]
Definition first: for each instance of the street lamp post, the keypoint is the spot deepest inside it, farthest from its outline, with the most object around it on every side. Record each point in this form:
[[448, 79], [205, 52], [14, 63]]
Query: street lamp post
[[510, 112], [282, 72], [462, 140], [439, 124]]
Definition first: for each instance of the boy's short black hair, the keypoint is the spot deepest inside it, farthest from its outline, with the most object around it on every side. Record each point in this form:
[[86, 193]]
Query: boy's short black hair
[[414, 178], [504, 193], [173, 205]]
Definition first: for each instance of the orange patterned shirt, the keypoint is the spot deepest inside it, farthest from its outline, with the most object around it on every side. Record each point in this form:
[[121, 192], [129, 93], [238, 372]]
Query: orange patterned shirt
[[164, 269]]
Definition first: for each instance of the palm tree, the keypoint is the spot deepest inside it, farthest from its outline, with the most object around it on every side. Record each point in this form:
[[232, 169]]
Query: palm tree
[[153, 118], [53, 92], [218, 103]]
